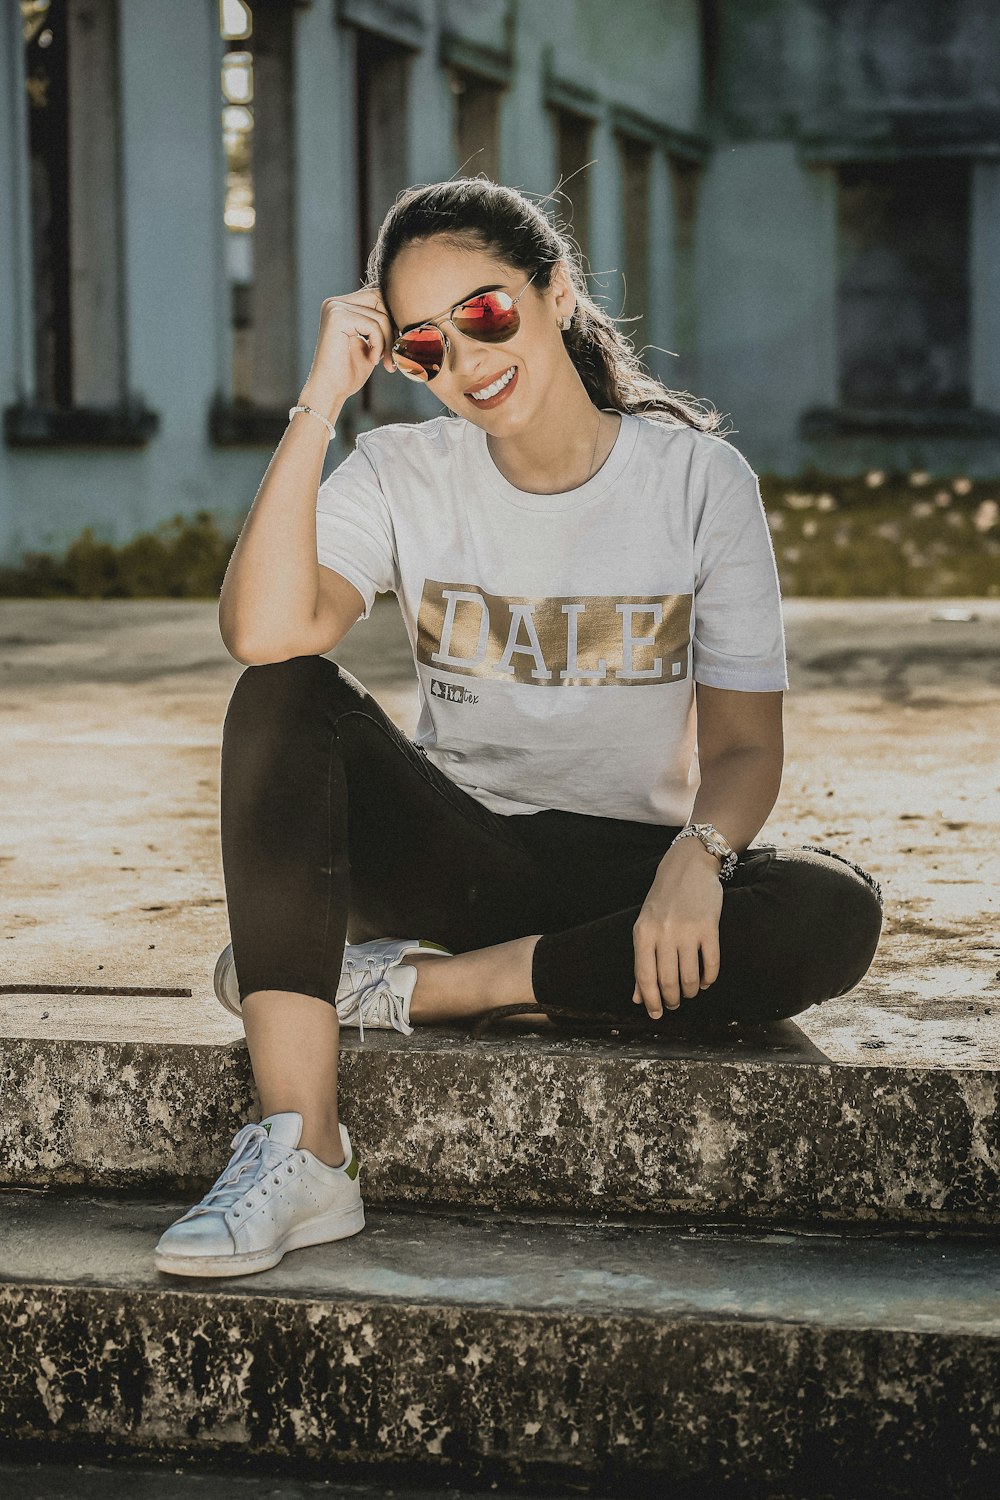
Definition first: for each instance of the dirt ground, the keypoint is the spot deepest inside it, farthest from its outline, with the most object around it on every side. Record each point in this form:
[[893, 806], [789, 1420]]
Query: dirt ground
[[111, 717]]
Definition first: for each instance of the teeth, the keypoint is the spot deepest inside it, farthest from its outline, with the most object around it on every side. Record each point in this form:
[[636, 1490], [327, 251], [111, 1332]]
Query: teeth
[[495, 388]]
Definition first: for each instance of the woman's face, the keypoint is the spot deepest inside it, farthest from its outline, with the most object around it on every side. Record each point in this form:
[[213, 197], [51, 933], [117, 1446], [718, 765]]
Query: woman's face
[[429, 278]]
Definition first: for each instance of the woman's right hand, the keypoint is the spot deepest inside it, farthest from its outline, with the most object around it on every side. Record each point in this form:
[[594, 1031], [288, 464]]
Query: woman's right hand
[[355, 333]]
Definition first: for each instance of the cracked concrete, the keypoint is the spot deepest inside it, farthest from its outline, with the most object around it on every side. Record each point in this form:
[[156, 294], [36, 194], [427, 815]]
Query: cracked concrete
[[500, 1349], [534, 1123], [112, 714]]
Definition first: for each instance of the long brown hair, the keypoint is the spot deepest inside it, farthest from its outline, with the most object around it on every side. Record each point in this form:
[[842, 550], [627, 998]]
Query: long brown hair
[[476, 212]]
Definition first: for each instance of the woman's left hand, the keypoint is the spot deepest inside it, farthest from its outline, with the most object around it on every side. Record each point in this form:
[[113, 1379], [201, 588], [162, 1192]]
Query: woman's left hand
[[679, 920]]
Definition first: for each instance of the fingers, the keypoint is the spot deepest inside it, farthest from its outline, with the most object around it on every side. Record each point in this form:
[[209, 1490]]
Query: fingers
[[710, 960], [362, 312], [667, 970], [371, 297], [647, 988], [372, 330]]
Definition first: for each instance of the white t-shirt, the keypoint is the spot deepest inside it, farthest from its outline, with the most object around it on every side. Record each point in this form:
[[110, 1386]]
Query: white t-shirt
[[557, 638]]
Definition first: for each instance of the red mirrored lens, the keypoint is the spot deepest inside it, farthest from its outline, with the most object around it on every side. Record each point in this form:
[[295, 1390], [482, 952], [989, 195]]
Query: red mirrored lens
[[419, 353], [491, 317]]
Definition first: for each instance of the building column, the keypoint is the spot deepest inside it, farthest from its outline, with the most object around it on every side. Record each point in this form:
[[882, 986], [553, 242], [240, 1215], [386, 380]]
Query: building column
[[659, 326], [607, 286], [984, 289]]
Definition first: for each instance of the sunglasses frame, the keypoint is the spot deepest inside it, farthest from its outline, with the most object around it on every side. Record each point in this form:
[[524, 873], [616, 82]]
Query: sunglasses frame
[[448, 317]]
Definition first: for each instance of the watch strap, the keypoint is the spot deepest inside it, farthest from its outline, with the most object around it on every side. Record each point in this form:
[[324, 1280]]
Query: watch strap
[[708, 835]]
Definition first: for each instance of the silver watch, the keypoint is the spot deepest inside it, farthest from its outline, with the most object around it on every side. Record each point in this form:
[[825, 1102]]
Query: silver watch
[[709, 835]]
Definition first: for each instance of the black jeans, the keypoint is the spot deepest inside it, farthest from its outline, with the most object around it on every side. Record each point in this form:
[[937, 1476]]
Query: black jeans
[[336, 827]]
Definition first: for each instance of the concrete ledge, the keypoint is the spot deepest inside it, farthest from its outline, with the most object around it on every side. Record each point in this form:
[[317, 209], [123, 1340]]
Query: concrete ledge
[[479, 1348], [754, 1133]]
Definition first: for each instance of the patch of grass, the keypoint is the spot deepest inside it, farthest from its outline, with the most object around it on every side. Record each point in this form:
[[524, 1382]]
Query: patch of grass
[[880, 535], [875, 535], [184, 558]]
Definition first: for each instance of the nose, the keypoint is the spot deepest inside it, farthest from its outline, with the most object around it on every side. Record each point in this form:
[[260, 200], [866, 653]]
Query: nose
[[465, 355]]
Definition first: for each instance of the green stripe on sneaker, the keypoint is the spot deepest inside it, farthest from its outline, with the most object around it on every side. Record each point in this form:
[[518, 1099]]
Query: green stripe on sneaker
[[352, 1166]]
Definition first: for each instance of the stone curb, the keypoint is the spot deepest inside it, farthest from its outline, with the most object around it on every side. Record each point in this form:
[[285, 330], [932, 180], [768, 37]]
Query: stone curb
[[476, 1347], [537, 1124]]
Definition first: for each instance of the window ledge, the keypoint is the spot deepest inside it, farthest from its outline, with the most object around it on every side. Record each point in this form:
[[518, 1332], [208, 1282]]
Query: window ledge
[[242, 424], [843, 421], [471, 57], [29, 424], [399, 21]]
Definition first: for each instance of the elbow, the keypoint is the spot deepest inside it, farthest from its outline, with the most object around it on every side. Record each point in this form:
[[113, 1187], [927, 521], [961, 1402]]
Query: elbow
[[250, 653], [257, 656], [244, 649]]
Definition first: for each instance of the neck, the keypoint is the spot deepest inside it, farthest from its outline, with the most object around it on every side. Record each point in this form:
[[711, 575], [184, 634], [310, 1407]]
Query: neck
[[565, 444]]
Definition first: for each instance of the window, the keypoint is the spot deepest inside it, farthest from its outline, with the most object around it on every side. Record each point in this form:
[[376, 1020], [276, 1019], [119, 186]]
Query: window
[[259, 210], [902, 293], [46, 69], [382, 92], [573, 134], [476, 125], [71, 80]]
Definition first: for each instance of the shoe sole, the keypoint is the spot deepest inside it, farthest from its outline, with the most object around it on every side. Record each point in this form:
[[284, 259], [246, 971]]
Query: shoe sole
[[321, 1231], [224, 962]]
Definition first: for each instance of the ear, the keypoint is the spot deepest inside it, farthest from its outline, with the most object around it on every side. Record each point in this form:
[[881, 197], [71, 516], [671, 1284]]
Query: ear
[[562, 291]]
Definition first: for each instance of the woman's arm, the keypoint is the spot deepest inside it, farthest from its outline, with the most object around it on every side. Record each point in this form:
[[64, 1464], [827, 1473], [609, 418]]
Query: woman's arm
[[271, 594], [274, 602], [741, 754]]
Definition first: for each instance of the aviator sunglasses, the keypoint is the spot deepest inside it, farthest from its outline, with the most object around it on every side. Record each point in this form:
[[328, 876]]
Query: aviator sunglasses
[[489, 318]]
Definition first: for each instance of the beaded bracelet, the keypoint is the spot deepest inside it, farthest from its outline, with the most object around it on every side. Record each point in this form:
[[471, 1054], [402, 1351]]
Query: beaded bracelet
[[325, 420]]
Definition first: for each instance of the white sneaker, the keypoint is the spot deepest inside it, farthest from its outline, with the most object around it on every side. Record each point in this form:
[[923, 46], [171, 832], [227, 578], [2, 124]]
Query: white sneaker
[[272, 1197], [227, 989], [375, 988]]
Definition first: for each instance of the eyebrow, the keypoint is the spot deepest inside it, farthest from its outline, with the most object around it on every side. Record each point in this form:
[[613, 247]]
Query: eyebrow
[[494, 286]]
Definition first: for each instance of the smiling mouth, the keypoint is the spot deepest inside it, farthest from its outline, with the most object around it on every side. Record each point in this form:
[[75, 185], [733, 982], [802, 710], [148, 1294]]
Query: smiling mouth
[[495, 388]]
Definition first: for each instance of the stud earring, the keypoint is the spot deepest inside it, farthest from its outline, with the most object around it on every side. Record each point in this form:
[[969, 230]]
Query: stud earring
[[566, 323]]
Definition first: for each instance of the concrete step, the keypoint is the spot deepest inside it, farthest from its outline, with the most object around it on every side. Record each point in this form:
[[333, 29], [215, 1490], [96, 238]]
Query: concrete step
[[769, 1128], [521, 1350]]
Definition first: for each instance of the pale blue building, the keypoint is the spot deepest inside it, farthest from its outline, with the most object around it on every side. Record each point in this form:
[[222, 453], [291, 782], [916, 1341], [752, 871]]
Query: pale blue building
[[800, 197]]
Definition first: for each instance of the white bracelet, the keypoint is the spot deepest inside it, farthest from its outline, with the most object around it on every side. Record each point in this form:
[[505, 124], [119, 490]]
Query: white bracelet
[[325, 420]]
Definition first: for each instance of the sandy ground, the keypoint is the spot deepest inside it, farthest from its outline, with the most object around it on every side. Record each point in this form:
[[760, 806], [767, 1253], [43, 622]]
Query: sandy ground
[[111, 718]]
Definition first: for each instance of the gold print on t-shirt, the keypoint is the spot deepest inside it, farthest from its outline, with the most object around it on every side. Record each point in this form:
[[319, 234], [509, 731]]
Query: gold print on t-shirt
[[573, 641]]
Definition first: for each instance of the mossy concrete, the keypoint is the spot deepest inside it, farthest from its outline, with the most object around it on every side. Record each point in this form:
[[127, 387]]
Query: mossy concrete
[[479, 1346], [624, 1126]]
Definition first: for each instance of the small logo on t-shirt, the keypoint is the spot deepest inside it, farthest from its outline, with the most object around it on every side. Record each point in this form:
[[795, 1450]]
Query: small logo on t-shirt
[[452, 692]]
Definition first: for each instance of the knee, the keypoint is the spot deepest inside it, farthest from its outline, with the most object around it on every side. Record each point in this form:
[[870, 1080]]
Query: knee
[[285, 692], [848, 909]]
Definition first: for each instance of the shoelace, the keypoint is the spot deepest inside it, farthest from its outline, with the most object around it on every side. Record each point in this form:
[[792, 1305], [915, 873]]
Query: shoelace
[[376, 999], [380, 1003], [370, 964], [252, 1149]]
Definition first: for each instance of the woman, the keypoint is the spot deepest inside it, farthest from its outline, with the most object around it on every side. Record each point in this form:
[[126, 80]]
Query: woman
[[569, 832]]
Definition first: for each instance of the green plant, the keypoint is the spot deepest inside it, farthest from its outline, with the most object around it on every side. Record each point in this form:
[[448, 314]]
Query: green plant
[[873, 535], [881, 535], [184, 558]]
